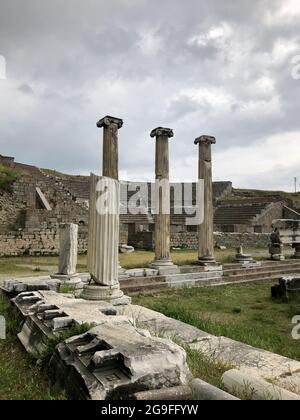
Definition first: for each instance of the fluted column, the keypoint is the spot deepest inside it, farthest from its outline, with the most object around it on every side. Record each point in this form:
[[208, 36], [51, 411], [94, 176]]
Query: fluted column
[[103, 260], [103, 238], [110, 154], [162, 216], [206, 229]]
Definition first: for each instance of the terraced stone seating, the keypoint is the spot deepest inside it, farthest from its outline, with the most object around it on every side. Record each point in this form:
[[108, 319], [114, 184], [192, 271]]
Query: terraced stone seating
[[241, 214]]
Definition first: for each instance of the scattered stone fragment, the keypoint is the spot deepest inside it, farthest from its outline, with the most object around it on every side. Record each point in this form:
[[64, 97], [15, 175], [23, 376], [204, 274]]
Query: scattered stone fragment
[[252, 387]]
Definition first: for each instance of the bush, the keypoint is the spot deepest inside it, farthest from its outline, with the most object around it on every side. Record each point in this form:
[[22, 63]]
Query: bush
[[7, 178]]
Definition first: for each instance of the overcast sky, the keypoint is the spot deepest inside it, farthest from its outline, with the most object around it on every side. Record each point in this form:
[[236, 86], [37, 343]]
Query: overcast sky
[[222, 68]]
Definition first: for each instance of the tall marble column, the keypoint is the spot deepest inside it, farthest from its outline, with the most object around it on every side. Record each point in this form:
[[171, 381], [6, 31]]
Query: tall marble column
[[110, 154], [103, 239], [206, 229], [162, 260]]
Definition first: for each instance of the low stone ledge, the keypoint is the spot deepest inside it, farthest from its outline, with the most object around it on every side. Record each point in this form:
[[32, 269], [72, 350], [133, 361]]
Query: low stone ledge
[[177, 393]]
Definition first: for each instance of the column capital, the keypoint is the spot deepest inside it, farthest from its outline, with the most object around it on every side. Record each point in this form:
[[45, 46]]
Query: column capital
[[205, 140], [161, 131], [108, 120]]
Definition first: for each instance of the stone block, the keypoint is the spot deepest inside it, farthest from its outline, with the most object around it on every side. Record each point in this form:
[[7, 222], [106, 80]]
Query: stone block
[[116, 360]]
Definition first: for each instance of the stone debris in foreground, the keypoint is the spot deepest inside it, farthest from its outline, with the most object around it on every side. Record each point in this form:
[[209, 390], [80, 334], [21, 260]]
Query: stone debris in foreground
[[47, 313], [114, 359]]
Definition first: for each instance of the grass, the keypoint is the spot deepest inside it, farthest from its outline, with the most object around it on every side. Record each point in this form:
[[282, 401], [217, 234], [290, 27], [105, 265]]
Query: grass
[[244, 313], [7, 177], [209, 369], [20, 378], [35, 266]]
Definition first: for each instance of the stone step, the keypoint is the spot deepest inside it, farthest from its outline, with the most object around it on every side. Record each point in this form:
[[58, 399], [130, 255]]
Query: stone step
[[228, 281], [257, 272], [262, 269], [137, 281], [264, 274], [205, 282], [145, 288], [141, 281], [234, 269]]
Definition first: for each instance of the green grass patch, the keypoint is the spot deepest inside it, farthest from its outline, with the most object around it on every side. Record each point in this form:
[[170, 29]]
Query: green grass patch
[[7, 178], [244, 313], [209, 369], [31, 266]]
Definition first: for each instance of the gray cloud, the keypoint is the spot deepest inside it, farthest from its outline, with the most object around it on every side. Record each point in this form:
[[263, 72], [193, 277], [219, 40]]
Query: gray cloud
[[217, 67]]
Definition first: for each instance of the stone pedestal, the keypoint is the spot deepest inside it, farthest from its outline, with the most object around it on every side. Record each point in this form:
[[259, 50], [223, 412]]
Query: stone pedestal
[[103, 242], [241, 257], [163, 262], [206, 229], [68, 249], [276, 252]]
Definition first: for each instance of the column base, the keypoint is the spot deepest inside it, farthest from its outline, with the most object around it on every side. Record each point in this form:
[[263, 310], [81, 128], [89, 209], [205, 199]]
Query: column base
[[71, 279], [164, 267], [277, 257], [204, 261], [110, 294], [209, 264], [243, 259]]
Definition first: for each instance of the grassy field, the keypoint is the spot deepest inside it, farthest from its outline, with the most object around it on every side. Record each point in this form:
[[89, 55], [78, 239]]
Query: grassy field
[[242, 312], [31, 266]]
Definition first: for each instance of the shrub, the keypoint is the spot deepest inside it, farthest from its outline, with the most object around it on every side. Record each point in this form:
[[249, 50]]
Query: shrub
[[7, 178]]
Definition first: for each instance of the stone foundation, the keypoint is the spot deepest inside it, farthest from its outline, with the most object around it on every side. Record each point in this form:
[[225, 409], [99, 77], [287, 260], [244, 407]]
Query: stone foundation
[[36, 242]]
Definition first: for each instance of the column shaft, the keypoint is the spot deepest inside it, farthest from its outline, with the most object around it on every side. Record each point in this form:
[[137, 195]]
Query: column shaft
[[104, 234], [162, 218], [110, 151], [206, 229]]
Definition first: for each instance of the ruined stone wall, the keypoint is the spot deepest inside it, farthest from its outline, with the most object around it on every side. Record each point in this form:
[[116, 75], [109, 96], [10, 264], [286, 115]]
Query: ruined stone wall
[[189, 240], [46, 241], [123, 234], [37, 242], [249, 240]]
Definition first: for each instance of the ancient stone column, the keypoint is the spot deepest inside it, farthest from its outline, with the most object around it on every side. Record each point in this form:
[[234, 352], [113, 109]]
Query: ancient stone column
[[162, 260], [110, 158], [68, 248], [103, 239], [110, 154], [206, 229]]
